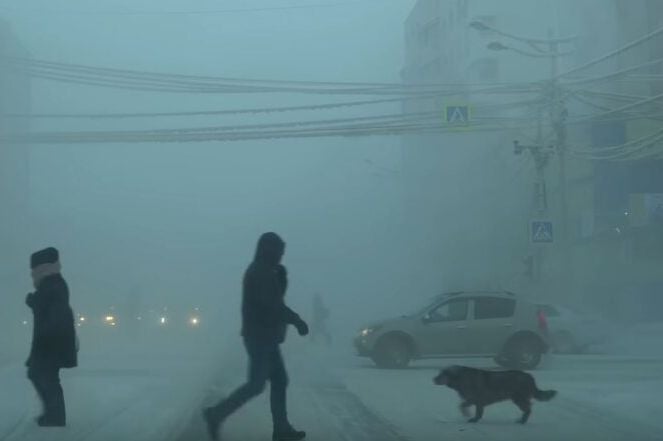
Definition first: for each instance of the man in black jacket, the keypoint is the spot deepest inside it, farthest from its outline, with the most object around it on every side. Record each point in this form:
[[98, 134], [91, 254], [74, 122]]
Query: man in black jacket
[[265, 318], [54, 336]]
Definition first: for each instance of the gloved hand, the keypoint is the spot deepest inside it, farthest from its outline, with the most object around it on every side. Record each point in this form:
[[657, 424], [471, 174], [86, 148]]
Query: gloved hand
[[302, 327]]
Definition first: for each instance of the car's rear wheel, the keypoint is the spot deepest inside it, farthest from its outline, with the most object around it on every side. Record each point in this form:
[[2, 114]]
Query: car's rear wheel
[[520, 354], [392, 353], [528, 356]]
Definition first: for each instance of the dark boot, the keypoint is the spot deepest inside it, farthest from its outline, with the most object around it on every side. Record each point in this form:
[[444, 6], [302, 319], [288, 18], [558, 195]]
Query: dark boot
[[48, 421], [288, 433], [54, 405], [213, 423]]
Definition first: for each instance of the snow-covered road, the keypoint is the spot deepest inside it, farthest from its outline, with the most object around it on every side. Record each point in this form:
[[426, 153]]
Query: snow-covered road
[[334, 397], [600, 398], [114, 395]]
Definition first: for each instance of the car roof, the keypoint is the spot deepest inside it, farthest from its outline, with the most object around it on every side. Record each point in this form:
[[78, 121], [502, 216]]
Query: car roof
[[475, 293]]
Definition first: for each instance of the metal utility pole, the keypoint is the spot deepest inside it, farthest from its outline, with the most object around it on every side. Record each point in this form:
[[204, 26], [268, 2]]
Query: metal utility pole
[[541, 155], [554, 101], [558, 118]]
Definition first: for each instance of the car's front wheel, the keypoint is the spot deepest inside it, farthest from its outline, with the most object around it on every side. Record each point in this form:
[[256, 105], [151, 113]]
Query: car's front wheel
[[392, 353]]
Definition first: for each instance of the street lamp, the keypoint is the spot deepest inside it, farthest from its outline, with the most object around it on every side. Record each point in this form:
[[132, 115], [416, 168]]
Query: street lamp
[[497, 46], [483, 27], [480, 26]]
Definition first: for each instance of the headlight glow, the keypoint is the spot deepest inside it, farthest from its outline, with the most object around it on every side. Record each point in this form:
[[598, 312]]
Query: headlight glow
[[369, 330]]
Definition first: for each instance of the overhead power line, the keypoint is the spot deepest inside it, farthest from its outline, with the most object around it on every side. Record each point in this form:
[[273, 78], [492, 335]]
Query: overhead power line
[[260, 110], [628, 116], [616, 75], [366, 122], [125, 78], [147, 75], [633, 150], [613, 96], [194, 12], [266, 110], [136, 82], [614, 53], [383, 130], [622, 109], [425, 122]]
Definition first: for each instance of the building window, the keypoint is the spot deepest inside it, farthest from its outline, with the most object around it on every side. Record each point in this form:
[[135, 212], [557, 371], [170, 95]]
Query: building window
[[430, 34]]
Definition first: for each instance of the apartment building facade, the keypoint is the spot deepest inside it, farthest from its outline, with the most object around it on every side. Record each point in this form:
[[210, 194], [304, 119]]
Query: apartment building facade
[[598, 254]]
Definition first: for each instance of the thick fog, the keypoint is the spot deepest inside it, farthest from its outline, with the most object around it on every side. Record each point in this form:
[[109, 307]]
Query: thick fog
[[155, 237], [178, 224]]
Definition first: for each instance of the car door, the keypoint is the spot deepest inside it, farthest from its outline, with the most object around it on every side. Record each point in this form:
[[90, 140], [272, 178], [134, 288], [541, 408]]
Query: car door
[[491, 324], [442, 328]]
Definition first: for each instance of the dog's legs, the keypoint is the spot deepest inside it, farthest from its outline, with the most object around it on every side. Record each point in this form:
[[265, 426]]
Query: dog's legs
[[526, 406], [478, 413], [464, 408]]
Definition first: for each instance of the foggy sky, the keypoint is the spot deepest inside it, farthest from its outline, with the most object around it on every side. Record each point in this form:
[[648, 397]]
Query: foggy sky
[[179, 222]]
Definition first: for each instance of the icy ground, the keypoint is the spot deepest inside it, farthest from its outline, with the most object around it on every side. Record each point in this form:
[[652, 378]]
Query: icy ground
[[340, 397], [128, 395], [118, 393]]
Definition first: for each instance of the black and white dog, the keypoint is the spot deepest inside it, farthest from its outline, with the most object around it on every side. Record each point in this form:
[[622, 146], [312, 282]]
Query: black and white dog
[[480, 388]]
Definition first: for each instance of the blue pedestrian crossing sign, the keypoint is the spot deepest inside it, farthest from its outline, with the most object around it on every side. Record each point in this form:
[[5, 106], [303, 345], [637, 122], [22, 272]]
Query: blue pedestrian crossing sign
[[457, 115], [541, 231]]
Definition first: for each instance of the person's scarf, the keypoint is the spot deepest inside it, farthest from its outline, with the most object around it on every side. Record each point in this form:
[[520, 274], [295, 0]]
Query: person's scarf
[[40, 272]]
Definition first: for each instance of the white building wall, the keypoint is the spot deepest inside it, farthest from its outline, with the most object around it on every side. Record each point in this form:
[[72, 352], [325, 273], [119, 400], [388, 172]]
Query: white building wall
[[467, 194]]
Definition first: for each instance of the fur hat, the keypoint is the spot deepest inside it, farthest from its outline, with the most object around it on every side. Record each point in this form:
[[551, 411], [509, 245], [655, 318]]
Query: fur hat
[[45, 256]]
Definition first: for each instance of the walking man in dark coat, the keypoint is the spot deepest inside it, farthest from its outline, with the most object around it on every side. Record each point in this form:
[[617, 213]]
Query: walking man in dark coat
[[54, 335], [265, 318]]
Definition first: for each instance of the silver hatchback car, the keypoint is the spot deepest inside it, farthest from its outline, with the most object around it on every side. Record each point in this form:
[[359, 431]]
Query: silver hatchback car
[[499, 325]]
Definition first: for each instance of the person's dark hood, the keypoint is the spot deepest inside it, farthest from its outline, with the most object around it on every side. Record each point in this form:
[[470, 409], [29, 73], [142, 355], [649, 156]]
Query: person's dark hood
[[270, 249]]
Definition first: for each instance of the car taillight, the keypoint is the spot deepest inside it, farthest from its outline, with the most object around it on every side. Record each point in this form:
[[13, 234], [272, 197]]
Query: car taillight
[[543, 322]]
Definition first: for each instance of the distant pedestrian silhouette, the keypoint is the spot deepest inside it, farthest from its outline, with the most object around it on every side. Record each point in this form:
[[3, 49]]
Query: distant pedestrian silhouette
[[319, 327], [264, 321], [54, 335]]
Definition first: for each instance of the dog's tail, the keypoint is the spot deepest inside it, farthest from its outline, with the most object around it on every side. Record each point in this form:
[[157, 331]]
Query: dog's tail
[[544, 395]]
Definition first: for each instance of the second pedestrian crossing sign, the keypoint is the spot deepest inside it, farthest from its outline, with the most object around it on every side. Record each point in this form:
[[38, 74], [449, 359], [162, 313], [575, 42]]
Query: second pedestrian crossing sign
[[457, 115], [541, 231]]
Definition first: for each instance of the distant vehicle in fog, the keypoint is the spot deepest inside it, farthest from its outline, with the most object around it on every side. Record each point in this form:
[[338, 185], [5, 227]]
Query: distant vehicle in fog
[[179, 319], [572, 332], [500, 325]]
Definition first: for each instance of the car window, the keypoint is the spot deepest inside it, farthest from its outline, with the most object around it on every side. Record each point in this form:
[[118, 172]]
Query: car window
[[451, 311], [493, 307]]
